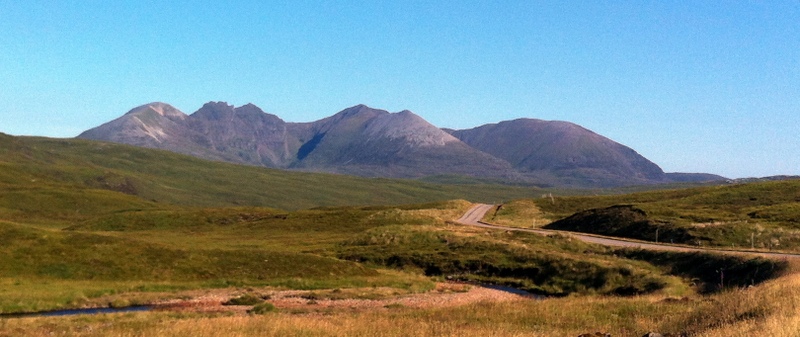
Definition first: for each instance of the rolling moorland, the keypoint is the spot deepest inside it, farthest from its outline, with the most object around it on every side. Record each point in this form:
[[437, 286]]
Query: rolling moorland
[[763, 215], [91, 224]]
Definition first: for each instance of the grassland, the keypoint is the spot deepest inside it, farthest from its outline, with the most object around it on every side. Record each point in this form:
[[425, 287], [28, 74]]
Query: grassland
[[762, 215], [95, 263], [332, 248], [85, 224], [55, 167], [770, 309], [540, 265], [202, 248]]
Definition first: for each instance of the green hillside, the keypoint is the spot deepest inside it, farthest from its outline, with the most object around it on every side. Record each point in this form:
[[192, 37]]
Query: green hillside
[[89, 224], [768, 213], [53, 166]]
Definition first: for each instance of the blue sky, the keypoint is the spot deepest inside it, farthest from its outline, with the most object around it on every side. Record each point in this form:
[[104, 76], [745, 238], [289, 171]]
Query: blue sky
[[695, 86]]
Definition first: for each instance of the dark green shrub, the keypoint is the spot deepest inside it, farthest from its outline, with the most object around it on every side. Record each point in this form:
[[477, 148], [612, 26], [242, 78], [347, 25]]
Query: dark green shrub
[[262, 308], [244, 300]]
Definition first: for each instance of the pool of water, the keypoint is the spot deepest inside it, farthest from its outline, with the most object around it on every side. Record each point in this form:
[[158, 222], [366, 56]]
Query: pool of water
[[512, 290], [71, 312]]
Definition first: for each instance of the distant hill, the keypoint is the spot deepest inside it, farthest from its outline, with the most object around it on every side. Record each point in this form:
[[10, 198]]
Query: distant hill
[[369, 142], [566, 152], [770, 178]]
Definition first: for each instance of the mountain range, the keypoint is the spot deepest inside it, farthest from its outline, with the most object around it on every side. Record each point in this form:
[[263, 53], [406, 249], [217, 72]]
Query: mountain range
[[370, 142]]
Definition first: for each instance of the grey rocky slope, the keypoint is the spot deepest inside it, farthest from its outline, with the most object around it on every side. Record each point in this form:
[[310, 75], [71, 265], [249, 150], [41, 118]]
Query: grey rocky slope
[[370, 142], [565, 151]]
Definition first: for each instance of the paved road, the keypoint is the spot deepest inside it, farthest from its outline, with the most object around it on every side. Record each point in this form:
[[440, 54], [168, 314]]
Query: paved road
[[474, 215]]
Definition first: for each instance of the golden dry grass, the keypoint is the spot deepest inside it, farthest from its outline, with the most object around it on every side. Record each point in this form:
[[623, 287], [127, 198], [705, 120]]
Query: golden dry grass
[[518, 213], [770, 309]]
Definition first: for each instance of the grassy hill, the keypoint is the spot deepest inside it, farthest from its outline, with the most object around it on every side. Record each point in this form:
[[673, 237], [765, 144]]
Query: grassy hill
[[56, 167], [768, 213]]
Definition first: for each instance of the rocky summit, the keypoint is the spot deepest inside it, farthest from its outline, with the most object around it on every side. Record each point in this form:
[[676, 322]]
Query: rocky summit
[[375, 143]]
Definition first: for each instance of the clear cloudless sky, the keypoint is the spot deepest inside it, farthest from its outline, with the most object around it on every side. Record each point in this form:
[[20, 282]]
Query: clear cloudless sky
[[695, 86]]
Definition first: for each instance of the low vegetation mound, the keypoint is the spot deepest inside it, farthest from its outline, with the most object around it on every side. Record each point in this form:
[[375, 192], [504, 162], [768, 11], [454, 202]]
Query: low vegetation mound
[[262, 308], [542, 265], [246, 299], [758, 215], [712, 272], [624, 221]]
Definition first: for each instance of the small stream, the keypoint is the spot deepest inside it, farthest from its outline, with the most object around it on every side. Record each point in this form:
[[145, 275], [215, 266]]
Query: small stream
[[71, 312], [513, 290]]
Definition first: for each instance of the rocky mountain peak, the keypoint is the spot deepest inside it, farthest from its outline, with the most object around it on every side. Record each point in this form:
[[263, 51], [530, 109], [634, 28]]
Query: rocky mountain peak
[[253, 114], [410, 127], [215, 111], [249, 108], [158, 108], [360, 110], [348, 119]]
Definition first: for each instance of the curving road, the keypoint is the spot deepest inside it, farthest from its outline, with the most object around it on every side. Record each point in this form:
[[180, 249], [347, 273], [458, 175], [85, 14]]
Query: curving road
[[475, 214]]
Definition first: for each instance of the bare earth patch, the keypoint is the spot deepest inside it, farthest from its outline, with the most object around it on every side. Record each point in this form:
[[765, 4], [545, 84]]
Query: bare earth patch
[[306, 301]]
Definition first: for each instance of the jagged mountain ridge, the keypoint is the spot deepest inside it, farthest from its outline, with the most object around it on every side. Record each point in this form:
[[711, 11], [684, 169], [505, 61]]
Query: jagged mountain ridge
[[217, 131], [370, 142]]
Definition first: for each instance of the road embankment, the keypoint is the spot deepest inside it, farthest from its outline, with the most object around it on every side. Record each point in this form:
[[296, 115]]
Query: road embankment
[[474, 216]]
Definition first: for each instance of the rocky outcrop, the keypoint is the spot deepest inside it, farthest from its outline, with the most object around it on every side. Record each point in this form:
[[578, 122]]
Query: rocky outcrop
[[624, 221]]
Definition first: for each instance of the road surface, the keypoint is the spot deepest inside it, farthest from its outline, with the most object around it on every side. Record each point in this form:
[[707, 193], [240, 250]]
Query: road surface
[[475, 214]]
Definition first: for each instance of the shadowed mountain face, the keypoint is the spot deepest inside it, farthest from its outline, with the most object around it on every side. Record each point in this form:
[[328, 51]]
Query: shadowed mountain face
[[369, 142], [245, 134]]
